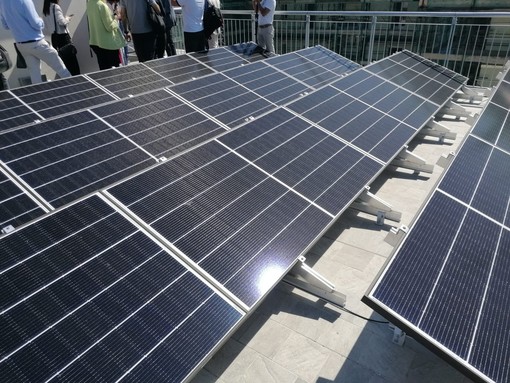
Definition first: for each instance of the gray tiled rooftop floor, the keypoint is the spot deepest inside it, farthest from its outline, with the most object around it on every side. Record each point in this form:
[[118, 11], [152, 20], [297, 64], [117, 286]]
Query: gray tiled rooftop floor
[[294, 338]]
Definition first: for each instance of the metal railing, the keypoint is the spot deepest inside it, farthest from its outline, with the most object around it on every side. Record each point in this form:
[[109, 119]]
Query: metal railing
[[475, 44]]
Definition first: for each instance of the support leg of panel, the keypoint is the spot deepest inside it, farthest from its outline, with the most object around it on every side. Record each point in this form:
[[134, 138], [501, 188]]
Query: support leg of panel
[[399, 336], [396, 234], [436, 129], [453, 109], [408, 160], [305, 278], [445, 160], [371, 204], [470, 95]]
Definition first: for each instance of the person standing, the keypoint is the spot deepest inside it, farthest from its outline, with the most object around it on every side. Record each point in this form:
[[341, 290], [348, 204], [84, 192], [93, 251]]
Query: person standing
[[21, 18], [213, 40], [105, 37], [136, 22], [192, 15], [60, 36], [170, 22], [265, 32]]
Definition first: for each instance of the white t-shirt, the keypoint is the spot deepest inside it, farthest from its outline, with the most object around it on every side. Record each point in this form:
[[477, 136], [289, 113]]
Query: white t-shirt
[[267, 19], [192, 15]]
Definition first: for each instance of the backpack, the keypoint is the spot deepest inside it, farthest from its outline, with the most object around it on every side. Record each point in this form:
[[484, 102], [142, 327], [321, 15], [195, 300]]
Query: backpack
[[213, 19]]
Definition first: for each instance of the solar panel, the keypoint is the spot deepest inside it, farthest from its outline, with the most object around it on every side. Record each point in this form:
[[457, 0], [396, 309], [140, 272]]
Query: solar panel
[[16, 206], [269, 82], [219, 59], [84, 285], [372, 113], [159, 123], [236, 223], [302, 68], [446, 283], [68, 157], [179, 68], [14, 113], [67, 95], [129, 80], [224, 99], [203, 236]]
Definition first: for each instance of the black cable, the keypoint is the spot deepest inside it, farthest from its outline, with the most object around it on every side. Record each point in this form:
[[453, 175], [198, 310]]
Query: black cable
[[362, 317]]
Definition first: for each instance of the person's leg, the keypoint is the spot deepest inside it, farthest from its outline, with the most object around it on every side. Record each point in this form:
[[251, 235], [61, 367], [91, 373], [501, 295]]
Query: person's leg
[[145, 45], [170, 47], [45, 52], [160, 45], [32, 61], [213, 40], [106, 58], [270, 39], [194, 41], [261, 38]]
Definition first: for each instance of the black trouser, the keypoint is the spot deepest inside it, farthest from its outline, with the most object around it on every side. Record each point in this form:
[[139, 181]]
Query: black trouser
[[170, 47], [106, 58], [194, 41], [145, 45]]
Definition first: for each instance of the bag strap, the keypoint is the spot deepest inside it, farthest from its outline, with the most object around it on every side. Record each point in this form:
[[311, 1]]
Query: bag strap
[[54, 18]]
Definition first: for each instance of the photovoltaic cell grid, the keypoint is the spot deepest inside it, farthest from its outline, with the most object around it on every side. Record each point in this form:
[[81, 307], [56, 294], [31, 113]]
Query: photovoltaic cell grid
[[223, 98], [63, 161], [235, 222], [69, 157], [376, 115], [447, 283], [129, 80], [25, 105], [16, 207], [159, 123], [87, 296], [242, 217], [219, 59]]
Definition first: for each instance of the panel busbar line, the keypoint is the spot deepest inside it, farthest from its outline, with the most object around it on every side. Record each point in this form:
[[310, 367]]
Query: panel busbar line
[[88, 296], [447, 282]]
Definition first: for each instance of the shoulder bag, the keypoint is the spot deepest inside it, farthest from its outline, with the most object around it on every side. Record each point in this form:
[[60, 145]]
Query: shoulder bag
[[5, 60], [156, 20]]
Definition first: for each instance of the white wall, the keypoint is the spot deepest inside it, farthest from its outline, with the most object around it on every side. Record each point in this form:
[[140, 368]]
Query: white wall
[[77, 28]]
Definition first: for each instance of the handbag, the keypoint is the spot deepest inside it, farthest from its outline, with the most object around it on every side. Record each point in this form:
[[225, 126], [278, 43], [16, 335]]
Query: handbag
[[59, 40], [156, 20], [67, 51], [20, 60], [5, 60]]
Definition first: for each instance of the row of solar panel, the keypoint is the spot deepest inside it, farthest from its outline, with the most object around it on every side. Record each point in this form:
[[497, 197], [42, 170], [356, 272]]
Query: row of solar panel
[[449, 279], [21, 106], [92, 149], [87, 285]]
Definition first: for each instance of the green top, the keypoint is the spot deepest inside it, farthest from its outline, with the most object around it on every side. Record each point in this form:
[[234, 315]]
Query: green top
[[103, 28]]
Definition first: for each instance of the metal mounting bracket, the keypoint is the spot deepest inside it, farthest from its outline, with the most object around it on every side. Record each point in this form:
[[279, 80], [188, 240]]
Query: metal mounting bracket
[[453, 109], [445, 160], [470, 95], [371, 204], [395, 235], [436, 129], [399, 336], [305, 278], [408, 160]]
